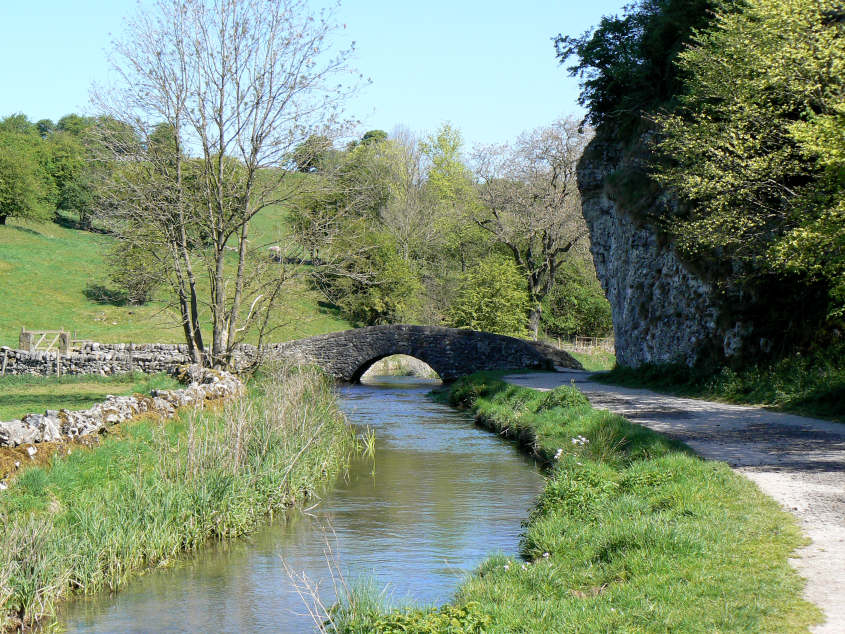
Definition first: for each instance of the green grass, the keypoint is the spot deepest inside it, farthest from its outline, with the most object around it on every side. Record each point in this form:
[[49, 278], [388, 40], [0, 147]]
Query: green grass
[[812, 386], [633, 533], [45, 269], [596, 361], [20, 395], [94, 519]]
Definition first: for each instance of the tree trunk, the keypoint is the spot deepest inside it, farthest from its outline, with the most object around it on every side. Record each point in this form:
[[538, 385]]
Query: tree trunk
[[534, 321]]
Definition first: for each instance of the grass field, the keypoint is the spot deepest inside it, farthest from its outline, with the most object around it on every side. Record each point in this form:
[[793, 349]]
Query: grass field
[[596, 361], [20, 395], [633, 533], [45, 269]]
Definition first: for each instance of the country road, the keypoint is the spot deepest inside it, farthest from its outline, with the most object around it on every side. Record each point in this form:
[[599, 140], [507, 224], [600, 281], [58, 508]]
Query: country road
[[798, 461]]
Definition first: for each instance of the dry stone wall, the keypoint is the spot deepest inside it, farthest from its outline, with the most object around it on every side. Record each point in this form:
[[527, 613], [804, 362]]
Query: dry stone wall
[[345, 355], [62, 425], [96, 358]]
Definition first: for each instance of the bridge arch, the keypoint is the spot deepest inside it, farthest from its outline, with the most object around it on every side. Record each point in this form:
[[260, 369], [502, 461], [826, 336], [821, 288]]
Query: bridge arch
[[451, 352]]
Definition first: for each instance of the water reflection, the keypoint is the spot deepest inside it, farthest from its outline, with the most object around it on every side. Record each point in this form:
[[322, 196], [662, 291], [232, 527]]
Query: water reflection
[[440, 497]]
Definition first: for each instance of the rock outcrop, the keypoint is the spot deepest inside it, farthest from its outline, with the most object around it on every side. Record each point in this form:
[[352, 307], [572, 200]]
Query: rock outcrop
[[663, 312]]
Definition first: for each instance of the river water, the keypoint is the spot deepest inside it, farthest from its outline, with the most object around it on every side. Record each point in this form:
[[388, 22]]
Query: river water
[[439, 497]]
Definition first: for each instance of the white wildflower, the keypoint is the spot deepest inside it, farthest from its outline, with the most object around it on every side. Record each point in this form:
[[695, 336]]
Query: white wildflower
[[31, 451], [558, 454], [3, 486], [507, 567], [546, 555]]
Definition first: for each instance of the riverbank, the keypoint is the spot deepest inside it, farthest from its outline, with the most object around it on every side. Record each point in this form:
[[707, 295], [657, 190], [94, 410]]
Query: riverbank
[[632, 533], [92, 520]]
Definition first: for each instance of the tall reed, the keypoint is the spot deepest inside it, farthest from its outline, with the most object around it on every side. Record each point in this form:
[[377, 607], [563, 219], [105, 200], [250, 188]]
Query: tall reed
[[94, 519]]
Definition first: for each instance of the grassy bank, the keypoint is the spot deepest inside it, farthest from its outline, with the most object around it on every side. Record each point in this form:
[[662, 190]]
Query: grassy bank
[[812, 386], [632, 533], [20, 395], [92, 520]]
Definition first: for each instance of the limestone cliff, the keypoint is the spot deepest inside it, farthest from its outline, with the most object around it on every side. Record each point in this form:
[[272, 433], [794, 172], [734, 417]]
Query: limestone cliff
[[662, 311]]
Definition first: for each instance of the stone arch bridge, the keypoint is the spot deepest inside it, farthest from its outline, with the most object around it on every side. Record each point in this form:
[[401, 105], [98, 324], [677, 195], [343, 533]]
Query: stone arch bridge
[[450, 352]]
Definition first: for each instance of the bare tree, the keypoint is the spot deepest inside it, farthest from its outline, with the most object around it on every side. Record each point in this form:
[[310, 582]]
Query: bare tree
[[531, 202], [218, 93]]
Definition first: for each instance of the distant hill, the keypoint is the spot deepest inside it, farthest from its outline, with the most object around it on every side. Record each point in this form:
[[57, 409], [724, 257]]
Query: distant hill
[[51, 274]]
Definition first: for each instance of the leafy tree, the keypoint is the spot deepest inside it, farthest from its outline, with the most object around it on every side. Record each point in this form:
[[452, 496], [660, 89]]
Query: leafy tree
[[311, 154], [755, 146], [374, 285], [450, 188], [74, 124], [532, 205], [71, 171], [626, 64], [576, 304], [45, 127], [491, 297], [374, 136], [25, 188]]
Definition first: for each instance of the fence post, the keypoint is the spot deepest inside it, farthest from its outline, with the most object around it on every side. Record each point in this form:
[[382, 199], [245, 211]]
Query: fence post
[[5, 356], [131, 361], [58, 363], [25, 340], [64, 342]]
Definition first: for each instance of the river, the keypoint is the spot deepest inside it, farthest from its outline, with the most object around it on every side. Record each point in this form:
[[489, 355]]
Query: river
[[439, 496]]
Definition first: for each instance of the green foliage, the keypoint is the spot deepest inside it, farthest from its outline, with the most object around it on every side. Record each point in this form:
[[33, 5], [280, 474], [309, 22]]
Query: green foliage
[[26, 190], [627, 63], [812, 384], [136, 272], [375, 285], [755, 146], [310, 155], [69, 167], [465, 619], [491, 296], [576, 304]]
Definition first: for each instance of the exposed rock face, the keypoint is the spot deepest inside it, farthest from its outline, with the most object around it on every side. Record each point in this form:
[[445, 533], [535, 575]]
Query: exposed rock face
[[662, 312]]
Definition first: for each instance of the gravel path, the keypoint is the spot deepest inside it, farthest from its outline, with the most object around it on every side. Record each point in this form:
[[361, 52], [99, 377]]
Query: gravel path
[[798, 461]]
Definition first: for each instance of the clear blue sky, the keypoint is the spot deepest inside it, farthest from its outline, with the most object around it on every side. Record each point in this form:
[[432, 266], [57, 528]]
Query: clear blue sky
[[488, 67]]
